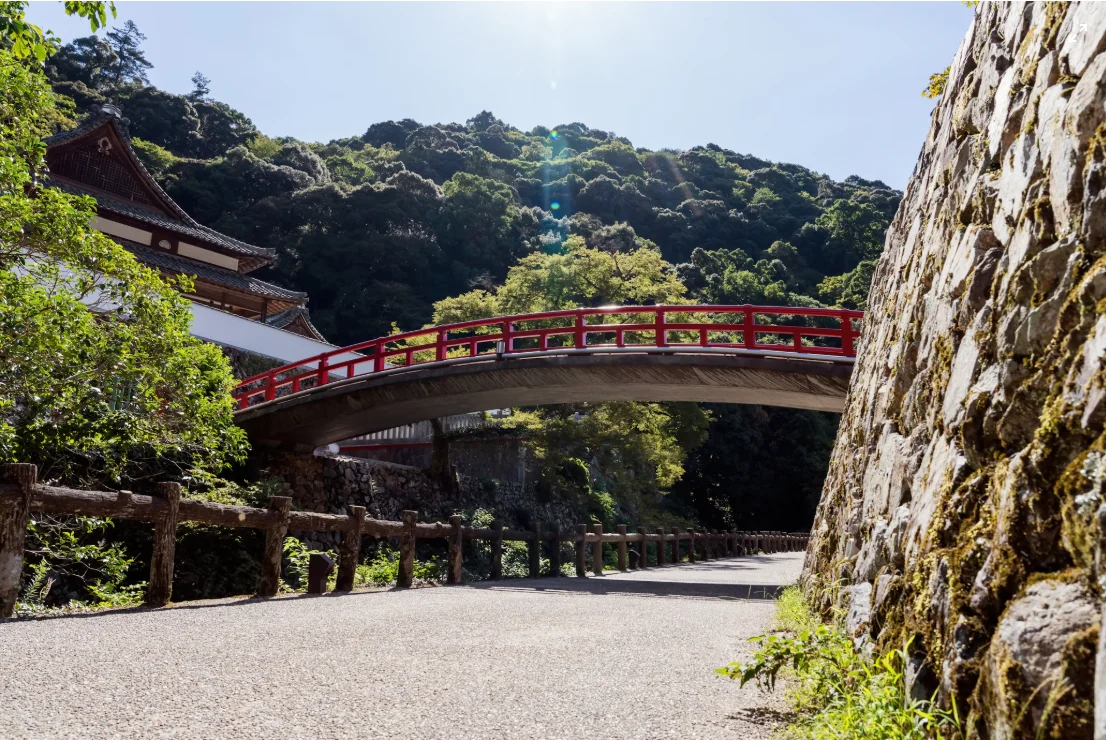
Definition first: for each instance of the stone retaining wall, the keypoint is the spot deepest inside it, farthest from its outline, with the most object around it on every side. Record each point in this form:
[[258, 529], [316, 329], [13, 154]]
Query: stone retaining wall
[[960, 507], [329, 484]]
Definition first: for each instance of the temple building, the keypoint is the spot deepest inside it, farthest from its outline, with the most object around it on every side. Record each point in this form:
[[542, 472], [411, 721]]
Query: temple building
[[230, 307]]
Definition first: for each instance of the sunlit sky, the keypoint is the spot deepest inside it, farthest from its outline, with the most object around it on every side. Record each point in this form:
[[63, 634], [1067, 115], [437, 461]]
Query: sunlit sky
[[831, 86]]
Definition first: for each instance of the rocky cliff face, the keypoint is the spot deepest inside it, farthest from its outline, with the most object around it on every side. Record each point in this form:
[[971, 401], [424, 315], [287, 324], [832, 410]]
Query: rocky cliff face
[[959, 515]]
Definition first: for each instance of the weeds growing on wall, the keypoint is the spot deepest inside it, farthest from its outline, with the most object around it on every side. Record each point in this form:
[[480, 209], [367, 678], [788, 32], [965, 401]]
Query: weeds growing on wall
[[835, 690]]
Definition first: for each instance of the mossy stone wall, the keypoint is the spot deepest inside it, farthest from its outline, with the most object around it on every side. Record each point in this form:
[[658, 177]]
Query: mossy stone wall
[[960, 512]]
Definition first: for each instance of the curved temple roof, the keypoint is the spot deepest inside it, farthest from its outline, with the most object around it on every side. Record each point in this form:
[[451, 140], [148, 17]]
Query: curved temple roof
[[105, 133]]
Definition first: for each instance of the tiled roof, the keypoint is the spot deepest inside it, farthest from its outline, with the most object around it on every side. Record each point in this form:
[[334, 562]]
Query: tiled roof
[[210, 273], [186, 225], [286, 318], [89, 125], [153, 217]]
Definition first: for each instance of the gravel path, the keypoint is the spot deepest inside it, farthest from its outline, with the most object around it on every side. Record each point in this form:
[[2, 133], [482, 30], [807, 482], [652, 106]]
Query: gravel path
[[623, 656]]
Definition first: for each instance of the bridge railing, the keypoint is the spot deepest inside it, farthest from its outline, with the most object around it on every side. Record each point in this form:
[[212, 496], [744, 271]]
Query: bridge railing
[[20, 494], [827, 332]]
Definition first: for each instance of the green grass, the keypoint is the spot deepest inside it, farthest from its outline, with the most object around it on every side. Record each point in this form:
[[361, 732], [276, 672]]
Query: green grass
[[835, 691], [792, 614]]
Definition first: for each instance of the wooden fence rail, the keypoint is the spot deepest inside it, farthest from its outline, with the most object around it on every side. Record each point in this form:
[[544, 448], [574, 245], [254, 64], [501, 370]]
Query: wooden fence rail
[[20, 494]]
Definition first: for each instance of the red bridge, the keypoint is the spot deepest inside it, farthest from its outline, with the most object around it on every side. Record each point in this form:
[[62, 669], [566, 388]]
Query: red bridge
[[770, 355]]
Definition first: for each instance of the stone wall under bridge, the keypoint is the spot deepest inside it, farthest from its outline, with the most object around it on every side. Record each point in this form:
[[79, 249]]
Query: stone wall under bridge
[[330, 484]]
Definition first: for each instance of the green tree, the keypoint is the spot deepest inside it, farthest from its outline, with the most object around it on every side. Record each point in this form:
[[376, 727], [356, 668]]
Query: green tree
[[481, 227], [102, 376], [201, 87], [132, 66], [28, 41], [612, 457], [851, 289], [855, 229], [577, 276]]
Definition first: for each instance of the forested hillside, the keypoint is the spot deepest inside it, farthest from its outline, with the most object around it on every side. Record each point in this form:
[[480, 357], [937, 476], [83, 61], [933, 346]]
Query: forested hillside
[[379, 227]]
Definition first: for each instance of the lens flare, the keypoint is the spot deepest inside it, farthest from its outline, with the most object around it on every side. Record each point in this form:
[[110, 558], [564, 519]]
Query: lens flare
[[553, 134], [554, 206]]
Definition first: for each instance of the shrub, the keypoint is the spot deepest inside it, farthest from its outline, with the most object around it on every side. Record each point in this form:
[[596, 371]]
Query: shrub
[[384, 567], [838, 692]]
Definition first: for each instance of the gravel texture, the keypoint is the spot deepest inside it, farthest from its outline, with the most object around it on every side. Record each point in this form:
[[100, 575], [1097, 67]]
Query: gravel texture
[[622, 656]]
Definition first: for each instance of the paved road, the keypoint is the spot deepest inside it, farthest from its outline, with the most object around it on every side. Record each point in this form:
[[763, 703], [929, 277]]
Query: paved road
[[623, 656]]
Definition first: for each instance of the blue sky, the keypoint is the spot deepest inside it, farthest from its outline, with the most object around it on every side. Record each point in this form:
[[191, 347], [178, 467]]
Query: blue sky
[[831, 86]]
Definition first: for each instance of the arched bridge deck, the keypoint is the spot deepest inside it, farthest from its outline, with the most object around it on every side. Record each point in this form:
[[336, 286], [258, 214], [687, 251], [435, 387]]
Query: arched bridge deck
[[770, 355]]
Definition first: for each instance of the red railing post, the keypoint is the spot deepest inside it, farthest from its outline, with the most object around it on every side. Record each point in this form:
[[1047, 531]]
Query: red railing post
[[378, 356], [270, 386], [580, 337], [508, 340], [321, 375], [659, 330], [442, 337], [748, 333], [847, 335]]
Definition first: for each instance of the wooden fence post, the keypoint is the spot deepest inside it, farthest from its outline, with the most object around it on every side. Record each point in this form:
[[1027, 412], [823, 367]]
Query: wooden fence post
[[456, 540], [350, 549], [14, 515], [274, 547], [622, 548], [555, 554], [715, 544], [675, 545], [597, 550], [690, 545], [160, 588], [661, 544], [497, 549], [319, 568], [535, 552], [582, 551], [643, 562], [406, 576]]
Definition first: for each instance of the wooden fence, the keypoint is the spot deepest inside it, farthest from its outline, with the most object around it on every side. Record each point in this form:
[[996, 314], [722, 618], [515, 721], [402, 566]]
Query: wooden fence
[[20, 494]]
